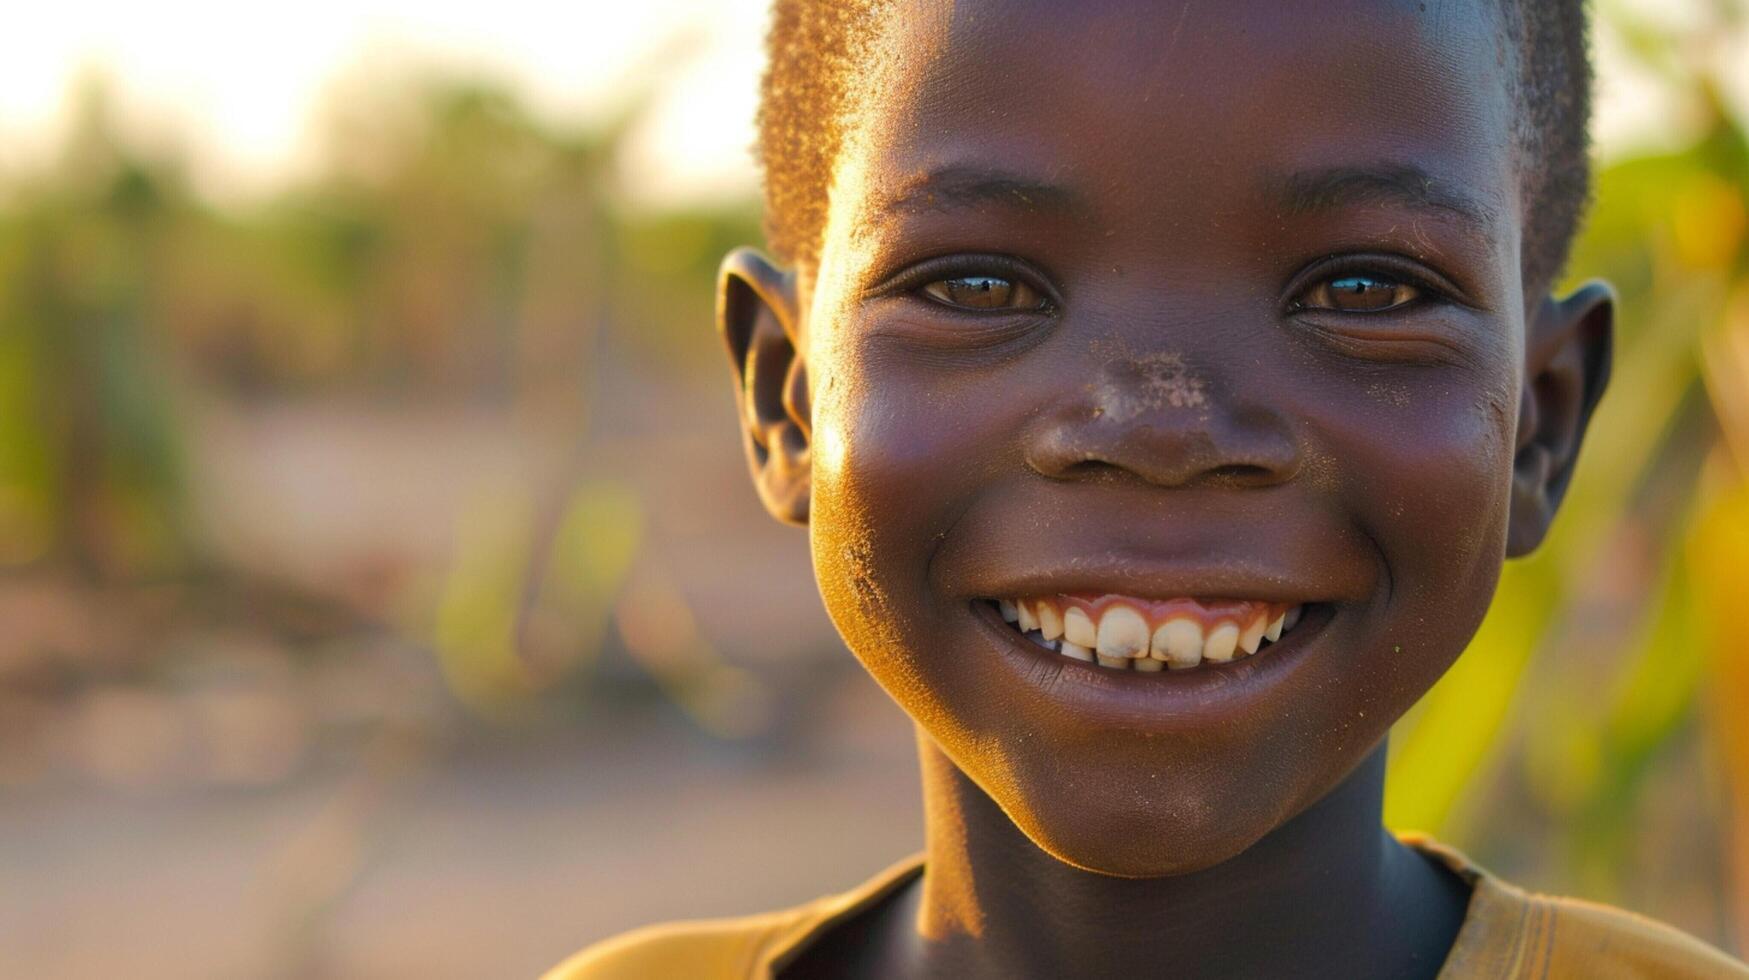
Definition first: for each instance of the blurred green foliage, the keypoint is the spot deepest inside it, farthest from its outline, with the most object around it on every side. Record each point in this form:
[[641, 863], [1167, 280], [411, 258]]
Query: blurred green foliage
[[89, 454], [448, 247]]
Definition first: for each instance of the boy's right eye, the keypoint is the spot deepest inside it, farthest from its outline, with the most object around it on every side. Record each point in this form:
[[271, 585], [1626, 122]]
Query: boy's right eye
[[1359, 294], [984, 293]]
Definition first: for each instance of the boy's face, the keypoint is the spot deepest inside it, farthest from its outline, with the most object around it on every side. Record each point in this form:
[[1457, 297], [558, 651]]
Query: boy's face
[[1216, 303]]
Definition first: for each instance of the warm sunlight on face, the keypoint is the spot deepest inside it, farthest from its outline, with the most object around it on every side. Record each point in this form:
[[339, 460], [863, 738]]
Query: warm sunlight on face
[[248, 82]]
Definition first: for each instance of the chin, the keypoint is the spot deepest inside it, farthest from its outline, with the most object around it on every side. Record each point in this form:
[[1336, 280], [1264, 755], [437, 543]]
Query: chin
[[1135, 831]]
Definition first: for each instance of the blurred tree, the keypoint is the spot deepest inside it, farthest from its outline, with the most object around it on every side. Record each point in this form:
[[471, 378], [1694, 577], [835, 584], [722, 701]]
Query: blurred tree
[[90, 465]]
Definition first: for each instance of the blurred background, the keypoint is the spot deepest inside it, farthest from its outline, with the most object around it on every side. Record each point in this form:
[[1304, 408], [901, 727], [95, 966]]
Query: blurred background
[[381, 593]]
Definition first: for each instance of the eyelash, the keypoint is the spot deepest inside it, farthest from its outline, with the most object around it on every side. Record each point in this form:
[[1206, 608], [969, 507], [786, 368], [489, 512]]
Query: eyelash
[[912, 280], [1433, 289]]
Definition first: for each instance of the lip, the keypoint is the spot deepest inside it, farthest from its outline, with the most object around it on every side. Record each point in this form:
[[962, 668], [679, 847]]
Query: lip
[[1216, 581], [1166, 702]]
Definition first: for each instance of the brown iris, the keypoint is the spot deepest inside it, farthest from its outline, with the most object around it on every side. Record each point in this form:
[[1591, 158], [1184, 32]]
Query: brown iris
[[1359, 294], [984, 293]]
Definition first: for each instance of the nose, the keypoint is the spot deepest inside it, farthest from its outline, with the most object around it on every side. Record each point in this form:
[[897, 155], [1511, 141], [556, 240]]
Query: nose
[[1156, 418]]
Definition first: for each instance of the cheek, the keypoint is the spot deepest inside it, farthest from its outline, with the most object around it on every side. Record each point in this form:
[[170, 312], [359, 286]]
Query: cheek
[[1427, 475], [889, 475], [1450, 491]]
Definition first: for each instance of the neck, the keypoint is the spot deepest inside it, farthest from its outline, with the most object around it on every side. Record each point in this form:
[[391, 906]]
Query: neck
[[1330, 887]]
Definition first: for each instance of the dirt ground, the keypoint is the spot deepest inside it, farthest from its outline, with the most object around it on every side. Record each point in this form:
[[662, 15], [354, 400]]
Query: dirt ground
[[491, 856]]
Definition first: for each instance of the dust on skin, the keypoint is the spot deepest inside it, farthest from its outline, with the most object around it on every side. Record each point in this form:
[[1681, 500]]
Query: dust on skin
[[1134, 384], [858, 557], [1395, 395]]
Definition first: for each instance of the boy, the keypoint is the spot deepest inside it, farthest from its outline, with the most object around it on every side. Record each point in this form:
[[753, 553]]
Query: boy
[[1163, 384]]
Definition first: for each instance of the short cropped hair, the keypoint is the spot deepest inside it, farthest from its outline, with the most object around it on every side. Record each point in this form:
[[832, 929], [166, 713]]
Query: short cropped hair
[[816, 47]]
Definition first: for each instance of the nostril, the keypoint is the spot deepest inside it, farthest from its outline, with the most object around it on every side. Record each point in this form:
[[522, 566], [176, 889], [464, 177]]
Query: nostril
[[1086, 468], [1229, 475], [1254, 450], [1241, 474]]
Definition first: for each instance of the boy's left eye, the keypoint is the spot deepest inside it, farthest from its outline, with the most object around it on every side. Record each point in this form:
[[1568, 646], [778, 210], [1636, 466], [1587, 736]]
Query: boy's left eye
[[1358, 294], [984, 293]]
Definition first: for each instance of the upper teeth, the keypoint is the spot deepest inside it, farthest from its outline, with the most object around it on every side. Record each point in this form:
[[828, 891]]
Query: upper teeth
[[1120, 631]]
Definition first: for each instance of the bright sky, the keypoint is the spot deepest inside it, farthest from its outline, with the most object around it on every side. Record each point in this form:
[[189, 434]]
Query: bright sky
[[241, 84]]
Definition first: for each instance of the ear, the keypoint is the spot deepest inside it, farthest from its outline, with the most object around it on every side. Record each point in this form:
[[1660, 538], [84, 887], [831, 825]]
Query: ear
[[757, 315], [1567, 359]]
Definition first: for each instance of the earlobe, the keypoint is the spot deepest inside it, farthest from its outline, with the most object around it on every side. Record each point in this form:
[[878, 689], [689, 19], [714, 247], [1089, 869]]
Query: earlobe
[[1567, 362], [758, 318]]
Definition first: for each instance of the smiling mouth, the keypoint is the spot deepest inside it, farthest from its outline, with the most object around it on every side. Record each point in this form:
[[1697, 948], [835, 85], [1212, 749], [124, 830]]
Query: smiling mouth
[[1121, 632]]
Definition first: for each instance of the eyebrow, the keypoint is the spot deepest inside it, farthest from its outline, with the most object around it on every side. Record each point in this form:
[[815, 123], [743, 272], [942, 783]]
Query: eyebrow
[[957, 187], [1402, 185], [1306, 192]]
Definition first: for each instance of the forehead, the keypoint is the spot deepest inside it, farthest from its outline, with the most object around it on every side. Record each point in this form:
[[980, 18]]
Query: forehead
[[1174, 113]]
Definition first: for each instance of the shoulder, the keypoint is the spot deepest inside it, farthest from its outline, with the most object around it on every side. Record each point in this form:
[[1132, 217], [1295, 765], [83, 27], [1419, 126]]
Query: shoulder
[[1511, 932], [728, 949], [1591, 940], [711, 949]]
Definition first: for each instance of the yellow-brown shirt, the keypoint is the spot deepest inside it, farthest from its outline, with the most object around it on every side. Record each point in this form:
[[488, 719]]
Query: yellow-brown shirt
[[1507, 934]]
